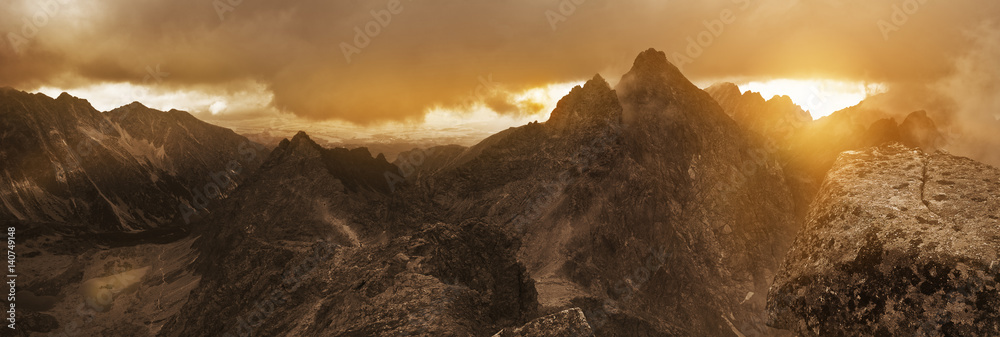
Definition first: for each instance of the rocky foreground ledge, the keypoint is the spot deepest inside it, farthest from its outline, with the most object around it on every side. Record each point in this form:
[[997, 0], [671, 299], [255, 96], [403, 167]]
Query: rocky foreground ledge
[[897, 243]]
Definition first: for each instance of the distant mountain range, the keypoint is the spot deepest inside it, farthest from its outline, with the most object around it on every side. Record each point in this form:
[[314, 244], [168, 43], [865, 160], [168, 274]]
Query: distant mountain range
[[127, 169], [652, 208]]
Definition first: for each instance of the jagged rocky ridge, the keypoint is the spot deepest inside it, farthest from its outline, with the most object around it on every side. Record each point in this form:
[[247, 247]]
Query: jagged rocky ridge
[[128, 169], [673, 238], [644, 205], [776, 119], [807, 148], [647, 207], [303, 254], [898, 243]]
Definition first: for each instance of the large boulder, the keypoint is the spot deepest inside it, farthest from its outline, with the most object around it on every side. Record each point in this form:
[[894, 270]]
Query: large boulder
[[897, 243]]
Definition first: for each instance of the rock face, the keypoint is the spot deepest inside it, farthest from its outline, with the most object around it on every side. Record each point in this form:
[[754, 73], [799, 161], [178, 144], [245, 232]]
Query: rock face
[[898, 243], [566, 323]]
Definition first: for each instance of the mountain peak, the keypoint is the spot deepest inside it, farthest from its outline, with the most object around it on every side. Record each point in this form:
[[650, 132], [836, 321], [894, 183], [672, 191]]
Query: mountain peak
[[651, 57], [300, 145], [755, 97], [66, 98], [356, 168], [595, 85], [652, 74], [129, 108], [302, 136], [598, 80], [782, 99], [918, 115], [653, 61], [655, 83], [594, 103]]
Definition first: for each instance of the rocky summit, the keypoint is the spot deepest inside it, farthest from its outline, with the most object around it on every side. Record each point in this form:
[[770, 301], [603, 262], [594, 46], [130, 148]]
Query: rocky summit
[[898, 243]]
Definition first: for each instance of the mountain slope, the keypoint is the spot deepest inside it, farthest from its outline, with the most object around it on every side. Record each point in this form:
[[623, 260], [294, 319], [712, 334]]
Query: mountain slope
[[131, 168], [646, 205], [306, 254]]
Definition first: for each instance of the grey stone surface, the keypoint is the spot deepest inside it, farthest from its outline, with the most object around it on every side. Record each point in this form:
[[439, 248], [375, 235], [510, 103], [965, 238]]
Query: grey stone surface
[[898, 243]]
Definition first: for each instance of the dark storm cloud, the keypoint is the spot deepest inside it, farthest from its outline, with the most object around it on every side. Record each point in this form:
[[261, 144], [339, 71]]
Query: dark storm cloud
[[412, 55]]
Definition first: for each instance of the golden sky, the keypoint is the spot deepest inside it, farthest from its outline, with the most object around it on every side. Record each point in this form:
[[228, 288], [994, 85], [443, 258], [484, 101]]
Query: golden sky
[[375, 61]]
